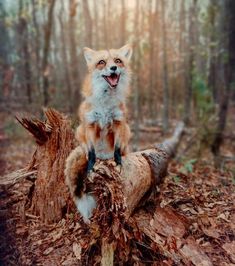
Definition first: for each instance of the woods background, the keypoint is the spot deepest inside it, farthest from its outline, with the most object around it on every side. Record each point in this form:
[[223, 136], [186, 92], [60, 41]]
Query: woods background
[[183, 70], [182, 64]]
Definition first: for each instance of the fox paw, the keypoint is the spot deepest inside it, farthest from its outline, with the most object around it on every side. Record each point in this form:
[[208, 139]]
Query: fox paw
[[118, 168]]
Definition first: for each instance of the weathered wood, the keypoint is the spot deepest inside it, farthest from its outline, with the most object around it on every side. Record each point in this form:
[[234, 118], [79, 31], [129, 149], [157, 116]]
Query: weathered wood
[[55, 140], [118, 192], [107, 253]]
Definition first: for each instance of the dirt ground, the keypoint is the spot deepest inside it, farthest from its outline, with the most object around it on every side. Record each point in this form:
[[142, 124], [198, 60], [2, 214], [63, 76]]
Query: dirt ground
[[194, 188]]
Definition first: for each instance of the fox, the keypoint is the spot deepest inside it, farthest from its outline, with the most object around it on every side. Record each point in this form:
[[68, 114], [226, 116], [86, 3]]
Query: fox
[[103, 132]]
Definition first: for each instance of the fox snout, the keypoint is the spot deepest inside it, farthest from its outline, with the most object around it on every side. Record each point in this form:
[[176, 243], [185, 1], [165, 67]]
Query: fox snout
[[113, 68]]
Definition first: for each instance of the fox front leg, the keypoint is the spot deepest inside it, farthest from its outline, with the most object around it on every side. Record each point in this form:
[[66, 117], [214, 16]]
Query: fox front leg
[[117, 155], [91, 159], [122, 136], [91, 136]]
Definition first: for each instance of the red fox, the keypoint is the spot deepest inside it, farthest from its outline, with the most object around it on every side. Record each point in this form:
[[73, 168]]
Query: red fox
[[103, 132]]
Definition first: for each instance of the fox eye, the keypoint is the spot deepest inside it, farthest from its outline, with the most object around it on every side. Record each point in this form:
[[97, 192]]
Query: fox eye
[[101, 62], [118, 61]]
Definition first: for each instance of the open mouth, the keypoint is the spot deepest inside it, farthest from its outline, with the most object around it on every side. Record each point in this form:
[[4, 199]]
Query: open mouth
[[112, 80]]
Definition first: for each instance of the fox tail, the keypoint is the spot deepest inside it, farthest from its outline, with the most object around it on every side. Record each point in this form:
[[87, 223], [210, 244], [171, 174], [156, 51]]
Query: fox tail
[[75, 171]]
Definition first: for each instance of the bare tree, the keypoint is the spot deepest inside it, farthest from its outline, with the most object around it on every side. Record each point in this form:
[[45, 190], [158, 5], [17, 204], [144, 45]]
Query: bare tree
[[151, 59], [165, 117], [230, 78], [123, 19], [65, 57], [96, 25], [75, 74], [136, 82], [47, 39], [25, 56], [37, 43], [105, 29], [213, 51], [191, 64], [88, 24]]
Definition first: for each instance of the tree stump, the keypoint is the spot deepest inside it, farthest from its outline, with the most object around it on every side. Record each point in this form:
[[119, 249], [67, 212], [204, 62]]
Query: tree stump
[[55, 140]]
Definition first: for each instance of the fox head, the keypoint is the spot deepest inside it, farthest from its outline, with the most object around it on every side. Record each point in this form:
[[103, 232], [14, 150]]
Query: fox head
[[109, 69]]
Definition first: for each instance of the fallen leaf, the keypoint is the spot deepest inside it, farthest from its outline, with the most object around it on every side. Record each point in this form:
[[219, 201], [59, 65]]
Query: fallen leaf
[[211, 232], [48, 251], [223, 217], [77, 250], [57, 235], [230, 249], [193, 253]]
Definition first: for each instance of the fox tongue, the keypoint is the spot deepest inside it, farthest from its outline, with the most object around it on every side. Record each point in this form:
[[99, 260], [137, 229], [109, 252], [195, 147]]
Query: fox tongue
[[113, 80]]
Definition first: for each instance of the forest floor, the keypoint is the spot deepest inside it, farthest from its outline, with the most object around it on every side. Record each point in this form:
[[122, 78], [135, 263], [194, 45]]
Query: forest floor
[[193, 187]]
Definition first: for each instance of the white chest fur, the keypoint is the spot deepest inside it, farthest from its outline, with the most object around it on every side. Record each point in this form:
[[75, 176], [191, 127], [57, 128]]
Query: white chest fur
[[105, 109]]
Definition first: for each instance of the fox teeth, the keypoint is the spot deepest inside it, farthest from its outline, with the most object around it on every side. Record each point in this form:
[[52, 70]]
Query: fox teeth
[[112, 80]]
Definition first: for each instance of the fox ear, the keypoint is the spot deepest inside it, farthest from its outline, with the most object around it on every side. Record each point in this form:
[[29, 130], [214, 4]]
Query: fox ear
[[126, 51], [88, 54]]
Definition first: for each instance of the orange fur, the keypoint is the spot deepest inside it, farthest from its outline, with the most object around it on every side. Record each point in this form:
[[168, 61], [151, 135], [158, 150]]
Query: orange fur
[[103, 119], [117, 130]]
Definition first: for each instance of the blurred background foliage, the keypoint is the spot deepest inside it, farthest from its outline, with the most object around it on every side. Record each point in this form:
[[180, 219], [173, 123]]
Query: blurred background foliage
[[182, 61]]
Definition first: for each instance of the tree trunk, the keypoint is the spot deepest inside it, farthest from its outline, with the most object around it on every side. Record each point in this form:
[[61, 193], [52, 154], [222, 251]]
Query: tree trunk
[[230, 78], [96, 26], [74, 68], [165, 118], [136, 82], [55, 139], [65, 59], [106, 38], [47, 39], [37, 43], [152, 71], [123, 24], [212, 77], [24, 52], [191, 63], [88, 24]]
